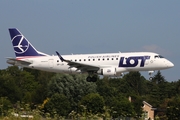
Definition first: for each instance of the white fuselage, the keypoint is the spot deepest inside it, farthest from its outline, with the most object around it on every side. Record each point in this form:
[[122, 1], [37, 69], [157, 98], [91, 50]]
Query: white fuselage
[[121, 62], [107, 64]]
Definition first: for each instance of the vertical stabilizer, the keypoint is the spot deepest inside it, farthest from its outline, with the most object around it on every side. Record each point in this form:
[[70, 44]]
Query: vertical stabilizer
[[22, 47]]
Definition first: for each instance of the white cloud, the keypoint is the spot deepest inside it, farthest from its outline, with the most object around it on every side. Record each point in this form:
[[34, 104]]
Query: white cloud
[[155, 48]]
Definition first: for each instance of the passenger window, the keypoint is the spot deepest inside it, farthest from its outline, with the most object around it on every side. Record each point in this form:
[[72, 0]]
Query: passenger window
[[93, 59], [84, 59], [88, 59], [75, 60], [112, 59], [57, 60], [116, 58]]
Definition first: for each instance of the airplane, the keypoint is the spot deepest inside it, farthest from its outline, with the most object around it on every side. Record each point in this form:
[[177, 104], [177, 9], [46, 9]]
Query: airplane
[[106, 64]]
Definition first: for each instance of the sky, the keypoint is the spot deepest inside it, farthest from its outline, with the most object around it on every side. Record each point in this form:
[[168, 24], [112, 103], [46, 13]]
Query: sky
[[95, 26]]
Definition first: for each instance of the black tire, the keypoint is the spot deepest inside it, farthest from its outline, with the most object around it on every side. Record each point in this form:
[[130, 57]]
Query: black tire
[[88, 79], [94, 79]]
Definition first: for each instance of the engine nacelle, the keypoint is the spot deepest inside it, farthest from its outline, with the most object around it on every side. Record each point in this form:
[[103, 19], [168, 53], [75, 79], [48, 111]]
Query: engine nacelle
[[107, 71], [74, 70]]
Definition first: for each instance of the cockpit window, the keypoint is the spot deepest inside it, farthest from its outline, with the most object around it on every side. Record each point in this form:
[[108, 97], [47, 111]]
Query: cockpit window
[[161, 56], [158, 56]]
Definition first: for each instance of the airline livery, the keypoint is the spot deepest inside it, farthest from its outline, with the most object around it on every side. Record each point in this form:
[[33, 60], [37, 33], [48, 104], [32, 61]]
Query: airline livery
[[107, 64]]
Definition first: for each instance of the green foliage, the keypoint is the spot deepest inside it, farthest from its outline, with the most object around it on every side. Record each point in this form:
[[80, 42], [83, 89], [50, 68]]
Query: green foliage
[[116, 89], [8, 85], [57, 105], [137, 105], [32, 87], [105, 90], [5, 105], [93, 102], [121, 106], [158, 78], [74, 87], [173, 109], [43, 78], [134, 81]]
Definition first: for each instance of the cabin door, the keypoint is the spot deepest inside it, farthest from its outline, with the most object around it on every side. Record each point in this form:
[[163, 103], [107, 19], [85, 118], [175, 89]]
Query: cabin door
[[51, 63]]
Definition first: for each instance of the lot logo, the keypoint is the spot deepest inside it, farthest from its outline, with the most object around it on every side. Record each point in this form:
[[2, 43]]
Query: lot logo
[[133, 61], [20, 44]]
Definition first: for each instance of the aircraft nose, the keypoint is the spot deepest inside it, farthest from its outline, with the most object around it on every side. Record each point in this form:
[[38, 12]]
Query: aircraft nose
[[170, 64]]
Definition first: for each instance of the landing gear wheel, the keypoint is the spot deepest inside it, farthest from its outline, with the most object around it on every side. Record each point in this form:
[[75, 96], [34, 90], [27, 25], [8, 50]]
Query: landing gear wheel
[[91, 79], [94, 78], [88, 79], [151, 78]]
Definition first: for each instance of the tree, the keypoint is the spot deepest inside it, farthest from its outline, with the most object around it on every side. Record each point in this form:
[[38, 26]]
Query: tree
[[160, 89], [41, 91], [8, 85], [177, 86], [137, 102], [105, 90], [74, 87], [5, 105], [121, 106], [158, 78], [93, 102], [134, 81], [58, 104], [173, 109]]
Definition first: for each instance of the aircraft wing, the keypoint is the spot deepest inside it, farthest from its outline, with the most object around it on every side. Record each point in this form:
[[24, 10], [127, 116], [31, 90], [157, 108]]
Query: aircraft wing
[[79, 66], [14, 61], [82, 67]]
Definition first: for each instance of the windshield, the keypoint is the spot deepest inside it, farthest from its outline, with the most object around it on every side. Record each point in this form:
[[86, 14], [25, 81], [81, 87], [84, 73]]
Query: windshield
[[161, 56], [158, 56]]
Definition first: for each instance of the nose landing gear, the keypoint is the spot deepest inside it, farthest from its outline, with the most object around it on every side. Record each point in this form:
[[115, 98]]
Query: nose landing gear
[[150, 74]]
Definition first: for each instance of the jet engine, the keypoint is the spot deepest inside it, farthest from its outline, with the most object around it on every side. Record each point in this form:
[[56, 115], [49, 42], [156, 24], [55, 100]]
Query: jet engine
[[107, 71], [73, 70]]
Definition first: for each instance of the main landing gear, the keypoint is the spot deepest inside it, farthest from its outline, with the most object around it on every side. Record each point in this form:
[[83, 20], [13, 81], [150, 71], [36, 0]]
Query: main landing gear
[[92, 77]]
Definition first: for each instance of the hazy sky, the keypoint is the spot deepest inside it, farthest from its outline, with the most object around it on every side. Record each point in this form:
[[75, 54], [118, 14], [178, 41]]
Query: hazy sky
[[95, 26]]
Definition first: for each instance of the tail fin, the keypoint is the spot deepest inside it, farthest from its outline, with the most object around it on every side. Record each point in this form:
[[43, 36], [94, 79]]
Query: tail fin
[[22, 47]]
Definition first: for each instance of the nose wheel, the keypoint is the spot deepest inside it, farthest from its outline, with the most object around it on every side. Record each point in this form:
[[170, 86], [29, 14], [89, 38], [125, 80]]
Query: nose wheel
[[150, 78]]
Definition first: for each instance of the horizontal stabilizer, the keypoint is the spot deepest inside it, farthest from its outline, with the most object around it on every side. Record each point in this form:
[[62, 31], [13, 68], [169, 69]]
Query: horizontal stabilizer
[[14, 61]]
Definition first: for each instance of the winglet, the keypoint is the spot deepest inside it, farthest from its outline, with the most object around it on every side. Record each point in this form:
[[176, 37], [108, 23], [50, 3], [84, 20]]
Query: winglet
[[60, 57]]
